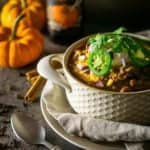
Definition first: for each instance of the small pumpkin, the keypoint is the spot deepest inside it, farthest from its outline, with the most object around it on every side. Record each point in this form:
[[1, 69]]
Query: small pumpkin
[[21, 49], [34, 10], [65, 15]]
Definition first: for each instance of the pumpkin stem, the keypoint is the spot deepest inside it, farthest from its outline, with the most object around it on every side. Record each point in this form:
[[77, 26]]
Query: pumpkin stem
[[23, 3], [15, 26]]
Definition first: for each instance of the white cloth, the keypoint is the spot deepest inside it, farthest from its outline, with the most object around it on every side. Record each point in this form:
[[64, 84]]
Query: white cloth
[[102, 130]]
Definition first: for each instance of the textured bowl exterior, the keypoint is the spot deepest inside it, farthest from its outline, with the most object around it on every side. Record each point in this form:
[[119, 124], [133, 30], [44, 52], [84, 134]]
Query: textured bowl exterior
[[132, 108]]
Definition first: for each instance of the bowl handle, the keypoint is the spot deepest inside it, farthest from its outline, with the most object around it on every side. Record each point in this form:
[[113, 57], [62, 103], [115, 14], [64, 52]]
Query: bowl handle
[[45, 69]]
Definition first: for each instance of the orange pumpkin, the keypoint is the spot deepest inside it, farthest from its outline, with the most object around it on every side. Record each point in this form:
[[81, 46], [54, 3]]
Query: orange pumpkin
[[21, 49], [65, 15], [34, 10]]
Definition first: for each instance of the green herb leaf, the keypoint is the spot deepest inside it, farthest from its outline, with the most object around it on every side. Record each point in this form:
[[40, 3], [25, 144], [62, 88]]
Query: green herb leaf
[[109, 40], [120, 30]]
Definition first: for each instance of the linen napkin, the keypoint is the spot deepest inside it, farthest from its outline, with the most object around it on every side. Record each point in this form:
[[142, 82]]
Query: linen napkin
[[103, 130], [96, 130]]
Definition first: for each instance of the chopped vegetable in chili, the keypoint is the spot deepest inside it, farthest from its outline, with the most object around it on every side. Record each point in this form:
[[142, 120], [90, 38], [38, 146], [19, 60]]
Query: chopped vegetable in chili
[[100, 62]]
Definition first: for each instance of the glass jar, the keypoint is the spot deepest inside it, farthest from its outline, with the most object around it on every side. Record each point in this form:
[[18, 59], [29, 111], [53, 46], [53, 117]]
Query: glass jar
[[65, 20]]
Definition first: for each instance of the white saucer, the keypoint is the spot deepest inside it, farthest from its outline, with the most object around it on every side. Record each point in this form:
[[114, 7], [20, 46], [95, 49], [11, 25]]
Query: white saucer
[[53, 102]]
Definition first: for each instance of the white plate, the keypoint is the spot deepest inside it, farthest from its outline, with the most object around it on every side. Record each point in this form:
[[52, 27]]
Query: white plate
[[51, 100]]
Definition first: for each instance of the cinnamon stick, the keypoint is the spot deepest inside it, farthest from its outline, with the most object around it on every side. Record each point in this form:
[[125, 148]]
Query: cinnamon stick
[[35, 89], [31, 74], [33, 79]]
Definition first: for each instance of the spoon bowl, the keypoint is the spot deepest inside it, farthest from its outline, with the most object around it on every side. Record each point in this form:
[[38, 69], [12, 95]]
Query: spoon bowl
[[29, 130]]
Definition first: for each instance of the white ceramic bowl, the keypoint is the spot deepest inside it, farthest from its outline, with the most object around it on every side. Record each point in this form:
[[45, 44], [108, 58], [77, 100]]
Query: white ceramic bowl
[[133, 107]]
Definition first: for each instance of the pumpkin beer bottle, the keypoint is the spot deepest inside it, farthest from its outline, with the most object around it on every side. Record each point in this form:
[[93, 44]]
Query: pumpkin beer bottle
[[64, 20]]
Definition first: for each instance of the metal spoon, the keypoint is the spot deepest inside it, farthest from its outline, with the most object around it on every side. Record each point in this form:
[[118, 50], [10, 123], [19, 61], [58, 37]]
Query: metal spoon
[[29, 130]]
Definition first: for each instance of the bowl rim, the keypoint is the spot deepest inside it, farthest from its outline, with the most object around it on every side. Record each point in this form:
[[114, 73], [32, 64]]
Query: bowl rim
[[66, 68]]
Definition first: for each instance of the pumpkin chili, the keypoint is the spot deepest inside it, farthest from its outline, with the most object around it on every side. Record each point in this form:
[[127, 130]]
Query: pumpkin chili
[[113, 61]]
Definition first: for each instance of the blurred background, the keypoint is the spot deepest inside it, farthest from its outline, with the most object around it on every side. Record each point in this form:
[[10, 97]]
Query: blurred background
[[133, 14], [105, 15]]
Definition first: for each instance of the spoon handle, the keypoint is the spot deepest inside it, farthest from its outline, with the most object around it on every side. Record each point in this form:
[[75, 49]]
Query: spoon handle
[[51, 146]]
